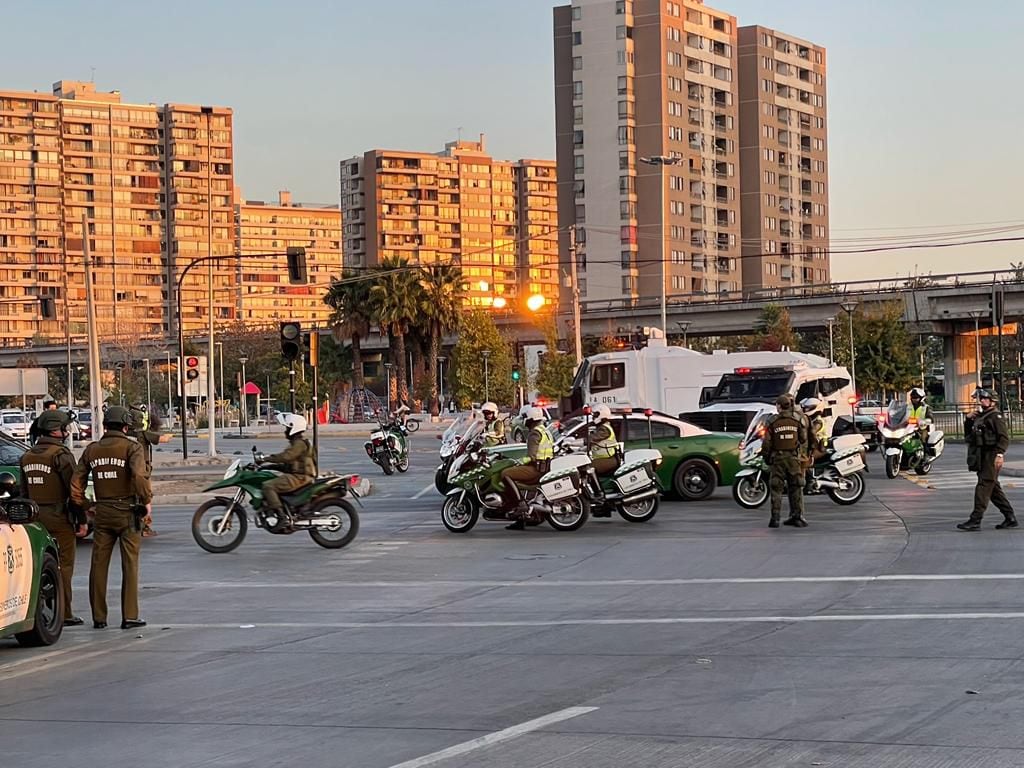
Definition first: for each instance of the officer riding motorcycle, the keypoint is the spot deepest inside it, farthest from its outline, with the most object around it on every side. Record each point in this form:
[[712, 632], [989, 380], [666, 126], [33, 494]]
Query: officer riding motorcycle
[[603, 444], [494, 428], [540, 448], [296, 462], [922, 413]]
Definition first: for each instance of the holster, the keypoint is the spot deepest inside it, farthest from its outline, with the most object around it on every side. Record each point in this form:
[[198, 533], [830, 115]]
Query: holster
[[138, 516]]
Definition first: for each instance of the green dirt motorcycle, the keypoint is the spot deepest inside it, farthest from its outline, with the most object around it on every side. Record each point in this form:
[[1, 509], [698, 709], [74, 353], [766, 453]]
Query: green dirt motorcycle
[[558, 497], [320, 508]]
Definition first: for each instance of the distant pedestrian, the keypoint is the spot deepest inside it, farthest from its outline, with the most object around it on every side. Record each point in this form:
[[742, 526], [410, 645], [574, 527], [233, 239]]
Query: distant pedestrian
[[987, 441], [785, 451]]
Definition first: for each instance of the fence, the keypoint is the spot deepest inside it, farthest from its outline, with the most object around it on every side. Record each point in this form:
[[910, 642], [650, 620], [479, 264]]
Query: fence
[[950, 418]]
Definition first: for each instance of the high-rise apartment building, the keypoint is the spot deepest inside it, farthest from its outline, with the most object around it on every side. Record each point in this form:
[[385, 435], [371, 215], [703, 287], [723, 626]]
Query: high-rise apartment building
[[266, 296], [154, 184], [497, 219], [648, 112], [783, 160]]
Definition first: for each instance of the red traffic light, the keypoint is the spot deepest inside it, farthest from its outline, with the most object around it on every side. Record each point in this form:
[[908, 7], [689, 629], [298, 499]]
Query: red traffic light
[[191, 362]]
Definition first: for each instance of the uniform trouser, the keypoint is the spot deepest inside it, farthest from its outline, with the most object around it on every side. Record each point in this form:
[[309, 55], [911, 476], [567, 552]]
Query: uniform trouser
[[272, 489], [988, 489], [110, 526], [55, 519], [525, 474], [787, 476], [606, 466]]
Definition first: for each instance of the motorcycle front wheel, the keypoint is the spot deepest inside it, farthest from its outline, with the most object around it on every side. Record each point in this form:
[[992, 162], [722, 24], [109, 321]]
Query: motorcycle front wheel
[[923, 468], [640, 511], [403, 464], [748, 494], [570, 514], [460, 513], [412, 425], [387, 466], [206, 524], [844, 497], [892, 466], [441, 480], [344, 529]]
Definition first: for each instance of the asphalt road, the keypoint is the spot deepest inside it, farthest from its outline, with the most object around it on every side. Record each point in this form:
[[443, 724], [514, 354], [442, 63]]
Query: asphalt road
[[878, 636]]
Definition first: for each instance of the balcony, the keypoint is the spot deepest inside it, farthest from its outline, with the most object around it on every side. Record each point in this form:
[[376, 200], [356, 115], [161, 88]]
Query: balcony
[[721, 193], [721, 170], [721, 146], [807, 231], [722, 218], [722, 242], [695, 66], [720, 98], [721, 123], [784, 138], [806, 209], [693, 116], [805, 97], [805, 164], [805, 188]]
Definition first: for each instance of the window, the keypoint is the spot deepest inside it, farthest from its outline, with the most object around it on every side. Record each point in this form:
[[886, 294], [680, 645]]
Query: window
[[577, 89], [577, 38], [623, 85], [625, 134], [607, 376], [636, 429], [577, 114], [831, 386], [624, 161], [625, 259], [577, 13], [578, 163], [627, 210], [577, 138], [675, 59], [577, 63], [620, 7], [623, 32]]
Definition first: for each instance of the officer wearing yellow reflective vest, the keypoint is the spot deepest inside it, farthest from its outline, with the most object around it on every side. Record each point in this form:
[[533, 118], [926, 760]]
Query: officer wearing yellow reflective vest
[[785, 450], [46, 471], [604, 446], [920, 411], [117, 465], [494, 428], [540, 449]]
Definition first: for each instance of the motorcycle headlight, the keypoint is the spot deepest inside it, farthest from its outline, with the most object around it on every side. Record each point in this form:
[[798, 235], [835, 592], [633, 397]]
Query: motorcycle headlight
[[658, 462]]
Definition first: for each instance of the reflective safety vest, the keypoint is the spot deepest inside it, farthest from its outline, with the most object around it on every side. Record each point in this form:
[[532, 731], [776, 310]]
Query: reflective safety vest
[[605, 449], [820, 431], [494, 432], [546, 449], [920, 413]]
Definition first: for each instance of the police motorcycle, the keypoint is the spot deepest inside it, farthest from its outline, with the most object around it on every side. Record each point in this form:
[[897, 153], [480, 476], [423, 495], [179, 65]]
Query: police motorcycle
[[839, 473], [388, 446], [632, 489], [558, 498], [454, 443], [902, 445], [320, 508]]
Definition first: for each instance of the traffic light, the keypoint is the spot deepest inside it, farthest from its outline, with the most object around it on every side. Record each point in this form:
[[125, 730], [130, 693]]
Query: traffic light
[[995, 307], [312, 348], [516, 375], [191, 368], [46, 308], [291, 338], [297, 273]]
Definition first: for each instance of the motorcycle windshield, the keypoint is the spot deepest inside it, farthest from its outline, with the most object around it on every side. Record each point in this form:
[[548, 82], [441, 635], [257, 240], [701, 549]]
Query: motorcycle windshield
[[897, 416], [757, 428]]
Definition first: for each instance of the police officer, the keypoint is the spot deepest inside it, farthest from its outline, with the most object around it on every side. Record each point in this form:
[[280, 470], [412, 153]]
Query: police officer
[[296, 463], [603, 445], [494, 428], [988, 438], [817, 434], [785, 448], [34, 430], [920, 411], [144, 430], [117, 464], [540, 449], [46, 471]]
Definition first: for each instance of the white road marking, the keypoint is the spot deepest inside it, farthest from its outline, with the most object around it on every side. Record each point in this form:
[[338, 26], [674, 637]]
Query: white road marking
[[45, 663], [561, 584], [662, 620], [496, 738], [424, 492]]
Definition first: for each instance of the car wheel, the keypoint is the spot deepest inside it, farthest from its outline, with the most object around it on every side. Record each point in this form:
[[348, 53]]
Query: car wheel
[[695, 480], [49, 616]]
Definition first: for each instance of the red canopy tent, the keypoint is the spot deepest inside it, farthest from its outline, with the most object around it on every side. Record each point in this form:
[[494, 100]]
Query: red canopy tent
[[252, 389]]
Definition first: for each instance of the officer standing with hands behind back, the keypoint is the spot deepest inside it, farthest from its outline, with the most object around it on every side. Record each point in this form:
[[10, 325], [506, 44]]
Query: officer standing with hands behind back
[[987, 441], [785, 449], [46, 471], [117, 464]]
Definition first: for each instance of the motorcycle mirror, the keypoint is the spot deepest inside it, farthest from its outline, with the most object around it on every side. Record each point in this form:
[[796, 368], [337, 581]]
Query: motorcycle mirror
[[437, 436], [587, 410], [254, 450]]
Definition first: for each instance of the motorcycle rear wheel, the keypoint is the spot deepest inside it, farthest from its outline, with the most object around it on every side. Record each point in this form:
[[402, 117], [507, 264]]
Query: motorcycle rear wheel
[[851, 495], [570, 514], [923, 468], [204, 524], [338, 536], [640, 511]]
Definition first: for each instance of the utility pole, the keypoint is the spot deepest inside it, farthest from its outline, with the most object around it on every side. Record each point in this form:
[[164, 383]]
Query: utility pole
[[575, 295], [211, 404], [95, 388]]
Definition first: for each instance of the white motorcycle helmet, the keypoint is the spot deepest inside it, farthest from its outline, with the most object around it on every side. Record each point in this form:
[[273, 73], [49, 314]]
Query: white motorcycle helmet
[[489, 408], [534, 415], [602, 414], [812, 406], [293, 424], [917, 394]]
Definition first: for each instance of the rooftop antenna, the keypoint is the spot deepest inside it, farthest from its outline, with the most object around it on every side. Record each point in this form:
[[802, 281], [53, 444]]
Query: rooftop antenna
[[92, 75], [459, 131]]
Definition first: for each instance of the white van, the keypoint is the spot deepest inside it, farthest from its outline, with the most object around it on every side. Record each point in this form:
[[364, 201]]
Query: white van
[[14, 423]]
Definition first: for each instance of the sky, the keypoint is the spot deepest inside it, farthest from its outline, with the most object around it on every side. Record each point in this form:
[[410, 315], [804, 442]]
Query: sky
[[926, 110]]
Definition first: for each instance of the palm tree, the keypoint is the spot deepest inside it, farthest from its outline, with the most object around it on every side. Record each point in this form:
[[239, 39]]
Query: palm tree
[[395, 303], [441, 302], [351, 318]]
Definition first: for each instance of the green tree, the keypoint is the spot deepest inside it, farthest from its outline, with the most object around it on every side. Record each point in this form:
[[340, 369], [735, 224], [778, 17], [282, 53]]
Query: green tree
[[774, 332], [888, 356], [555, 374], [351, 318], [395, 302], [479, 334], [441, 302]]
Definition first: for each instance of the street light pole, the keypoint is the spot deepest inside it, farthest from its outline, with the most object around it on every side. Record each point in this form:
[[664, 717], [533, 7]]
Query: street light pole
[[976, 314], [662, 161], [440, 384], [211, 404], [684, 326], [149, 390], [487, 382], [387, 369], [831, 348], [849, 307], [243, 415], [220, 389]]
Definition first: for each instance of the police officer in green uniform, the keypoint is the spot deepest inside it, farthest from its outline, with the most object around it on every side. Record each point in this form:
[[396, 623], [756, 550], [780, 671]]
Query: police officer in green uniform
[[987, 441], [296, 462], [144, 429], [46, 471], [785, 449], [603, 445], [540, 449], [117, 465], [494, 428], [922, 413]]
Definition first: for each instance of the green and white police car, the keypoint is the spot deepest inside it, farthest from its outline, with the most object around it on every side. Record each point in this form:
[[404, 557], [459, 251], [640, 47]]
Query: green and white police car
[[31, 598]]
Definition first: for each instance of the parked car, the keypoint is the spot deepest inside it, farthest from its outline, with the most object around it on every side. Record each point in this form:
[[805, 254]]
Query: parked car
[[517, 430], [15, 423], [870, 407], [10, 455], [31, 598], [84, 425]]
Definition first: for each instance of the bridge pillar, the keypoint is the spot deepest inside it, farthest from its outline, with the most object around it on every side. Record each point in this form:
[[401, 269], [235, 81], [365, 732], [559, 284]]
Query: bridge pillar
[[960, 376]]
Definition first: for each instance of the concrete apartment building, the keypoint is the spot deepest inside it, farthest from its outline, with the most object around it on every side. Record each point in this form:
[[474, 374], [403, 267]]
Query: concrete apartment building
[[155, 183], [639, 79], [266, 297], [497, 219], [783, 160]]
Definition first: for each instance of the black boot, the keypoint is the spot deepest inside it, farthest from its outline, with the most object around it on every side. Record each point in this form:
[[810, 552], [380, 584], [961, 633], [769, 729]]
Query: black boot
[[1008, 522], [773, 522], [518, 525], [970, 525], [794, 521]]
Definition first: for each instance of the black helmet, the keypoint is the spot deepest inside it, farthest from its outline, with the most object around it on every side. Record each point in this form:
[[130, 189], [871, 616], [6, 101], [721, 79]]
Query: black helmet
[[117, 417], [51, 421], [785, 402], [986, 394]]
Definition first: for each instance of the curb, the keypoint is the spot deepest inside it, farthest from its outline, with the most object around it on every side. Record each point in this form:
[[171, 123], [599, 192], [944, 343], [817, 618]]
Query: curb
[[364, 488]]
